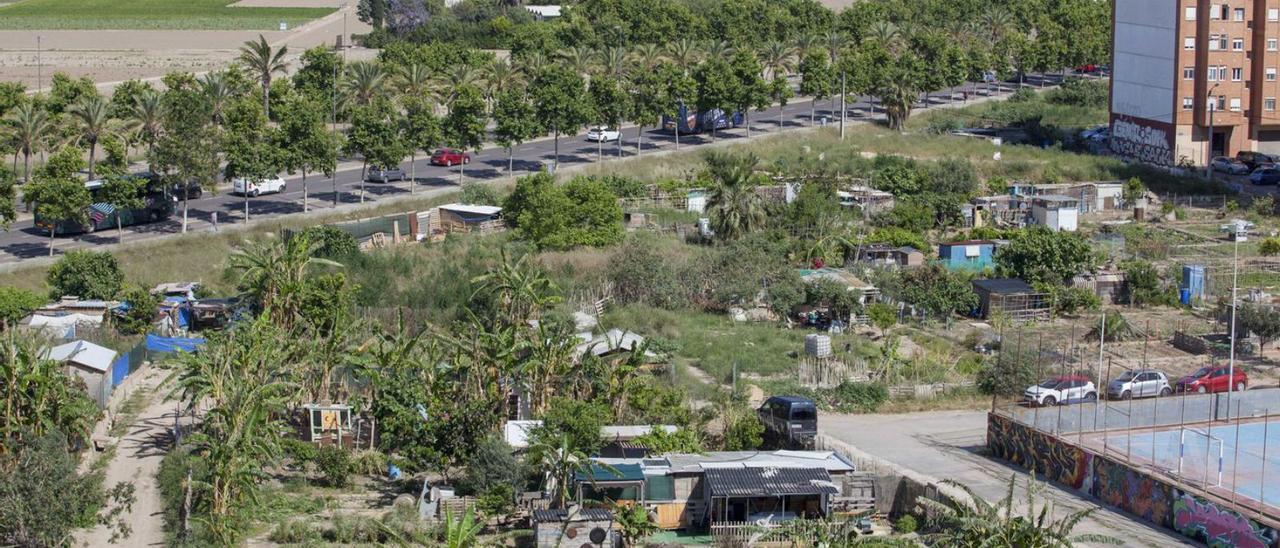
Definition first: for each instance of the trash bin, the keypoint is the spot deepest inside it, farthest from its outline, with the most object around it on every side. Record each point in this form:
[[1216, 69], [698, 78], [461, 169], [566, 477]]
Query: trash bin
[[1184, 296]]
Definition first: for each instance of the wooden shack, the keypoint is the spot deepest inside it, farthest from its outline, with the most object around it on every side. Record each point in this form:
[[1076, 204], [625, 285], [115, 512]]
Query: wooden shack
[[446, 219]]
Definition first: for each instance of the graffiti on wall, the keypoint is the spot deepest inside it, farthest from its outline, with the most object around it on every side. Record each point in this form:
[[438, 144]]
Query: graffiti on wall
[[1122, 487], [1058, 461], [1218, 527]]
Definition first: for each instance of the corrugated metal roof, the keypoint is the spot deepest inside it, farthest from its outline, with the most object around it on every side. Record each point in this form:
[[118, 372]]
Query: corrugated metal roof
[[1004, 286], [768, 482], [581, 514], [85, 353]]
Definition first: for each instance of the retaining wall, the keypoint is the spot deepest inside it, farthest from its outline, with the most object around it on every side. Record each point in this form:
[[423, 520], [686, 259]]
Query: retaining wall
[[1151, 498]]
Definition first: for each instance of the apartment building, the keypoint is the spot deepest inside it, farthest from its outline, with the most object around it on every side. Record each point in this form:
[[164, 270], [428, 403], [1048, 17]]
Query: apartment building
[[1182, 67]]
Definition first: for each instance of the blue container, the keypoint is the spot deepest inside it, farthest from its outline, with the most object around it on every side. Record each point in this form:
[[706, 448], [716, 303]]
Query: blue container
[[1184, 296], [1193, 280]]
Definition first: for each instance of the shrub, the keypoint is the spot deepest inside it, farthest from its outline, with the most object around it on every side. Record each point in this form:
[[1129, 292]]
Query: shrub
[[141, 312], [85, 274], [1010, 373], [480, 194], [355, 530], [15, 304], [334, 242], [491, 465], [300, 451], [860, 397], [335, 465], [1080, 92], [642, 273], [295, 532], [905, 525]]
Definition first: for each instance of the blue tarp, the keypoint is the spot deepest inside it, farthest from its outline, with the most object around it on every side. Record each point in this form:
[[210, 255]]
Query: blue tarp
[[156, 343], [120, 369]]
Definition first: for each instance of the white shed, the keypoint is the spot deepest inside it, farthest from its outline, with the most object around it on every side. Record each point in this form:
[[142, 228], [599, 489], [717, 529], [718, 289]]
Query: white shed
[[89, 362]]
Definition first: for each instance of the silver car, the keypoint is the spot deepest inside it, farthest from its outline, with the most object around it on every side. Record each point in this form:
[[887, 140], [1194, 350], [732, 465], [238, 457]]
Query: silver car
[[1138, 383], [385, 174]]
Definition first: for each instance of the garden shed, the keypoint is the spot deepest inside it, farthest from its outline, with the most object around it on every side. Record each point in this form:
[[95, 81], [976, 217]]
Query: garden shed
[[90, 363], [575, 527], [1012, 298]]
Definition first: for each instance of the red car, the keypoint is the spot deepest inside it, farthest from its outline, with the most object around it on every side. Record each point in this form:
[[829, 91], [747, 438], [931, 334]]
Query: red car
[[449, 157], [1087, 68], [1214, 378]]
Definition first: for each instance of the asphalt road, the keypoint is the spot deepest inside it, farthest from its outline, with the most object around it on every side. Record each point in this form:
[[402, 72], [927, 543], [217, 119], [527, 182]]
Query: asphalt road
[[24, 241]]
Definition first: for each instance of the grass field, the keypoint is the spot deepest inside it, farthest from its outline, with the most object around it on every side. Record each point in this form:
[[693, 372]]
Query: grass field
[[148, 15]]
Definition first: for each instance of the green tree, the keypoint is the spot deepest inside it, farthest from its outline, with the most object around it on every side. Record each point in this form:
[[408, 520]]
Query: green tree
[[1261, 320], [1133, 190], [1144, 284], [304, 142], [58, 195], [251, 146], [465, 125], [1039, 254], [560, 102], [15, 304], [515, 122], [580, 212], [735, 206], [85, 274], [421, 132], [317, 76], [578, 422], [186, 152], [92, 115], [649, 100], [123, 192], [611, 105], [999, 524], [12, 94], [65, 91], [141, 314], [660, 441], [8, 199], [1269, 246], [936, 291], [145, 119], [555, 457], [751, 90], [816, 79], [264, 62], [718, 88], [882, 316], [30, 130], [780, 92], [634, 524], [374, 135]]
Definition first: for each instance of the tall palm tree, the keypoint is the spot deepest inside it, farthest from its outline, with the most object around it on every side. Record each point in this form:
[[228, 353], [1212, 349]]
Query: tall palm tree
[[92, 115], [413, 80], [219, 92], [886, 34], [30, 128], [806, 43], [985, 523], [264, 62], [455, 78], [613, 61], [685, 53], [777, 58], [735, 205], [579, 59], [646, 57], [499, 76], [997, 21], [364, 82], [146, 117], [559, 462], [719, 49], [533, 63], [834, 41]]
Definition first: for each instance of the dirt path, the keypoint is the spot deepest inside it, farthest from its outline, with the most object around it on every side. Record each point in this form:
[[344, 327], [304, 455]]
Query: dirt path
[[137, 458]]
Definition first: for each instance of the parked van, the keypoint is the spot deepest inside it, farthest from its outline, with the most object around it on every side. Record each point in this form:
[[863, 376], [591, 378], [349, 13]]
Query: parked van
[[789, 421]]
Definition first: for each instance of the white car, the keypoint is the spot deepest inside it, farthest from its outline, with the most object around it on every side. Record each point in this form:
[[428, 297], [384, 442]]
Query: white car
[[1059, 390], [605, 135], [241, 186]]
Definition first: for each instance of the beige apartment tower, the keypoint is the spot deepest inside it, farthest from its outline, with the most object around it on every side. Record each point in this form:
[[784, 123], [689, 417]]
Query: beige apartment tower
[[1180, 67]]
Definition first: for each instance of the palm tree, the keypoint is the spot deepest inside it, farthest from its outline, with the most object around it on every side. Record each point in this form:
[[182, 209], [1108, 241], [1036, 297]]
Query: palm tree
[[613, 61], [272, 275], [897, 98], [559, 463], [264, 62], [579, 59], [219, 92], [806, 43], [736, 207], [364, 82], [454, 79], [646, 57], [92, 115], [462, 532], [499, 76], [146, 117], [777, 58], [533, 63], [719, 49], [886, 34], [833, 41], [997, 22], [997, 524], [414, 80], [685, 53], [30, 129]]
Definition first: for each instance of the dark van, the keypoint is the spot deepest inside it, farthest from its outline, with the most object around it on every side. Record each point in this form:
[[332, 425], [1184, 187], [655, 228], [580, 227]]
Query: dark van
[[791, 421]]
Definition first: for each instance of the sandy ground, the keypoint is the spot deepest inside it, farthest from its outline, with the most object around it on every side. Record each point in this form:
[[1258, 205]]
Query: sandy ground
[[137, 458], [111, 56]]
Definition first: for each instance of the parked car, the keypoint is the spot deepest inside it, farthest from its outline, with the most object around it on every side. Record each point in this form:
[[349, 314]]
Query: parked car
[[791, 420], [1087, 68], [1229, 165], [241, 186], [1139, 383], [450, 157], [1265, 176], [602, 134], [193, 191], [384, 174], [1213, 378], [1061, 389], [1255, 160], [1099, 133]]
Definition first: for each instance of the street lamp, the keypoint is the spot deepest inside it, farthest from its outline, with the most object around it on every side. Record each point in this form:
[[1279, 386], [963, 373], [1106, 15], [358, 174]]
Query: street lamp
[[1212, 105]]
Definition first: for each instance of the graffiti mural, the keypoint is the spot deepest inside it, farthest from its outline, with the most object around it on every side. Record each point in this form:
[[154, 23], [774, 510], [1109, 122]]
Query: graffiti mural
[[1126, 489], [1218, 527], [1020, 444]]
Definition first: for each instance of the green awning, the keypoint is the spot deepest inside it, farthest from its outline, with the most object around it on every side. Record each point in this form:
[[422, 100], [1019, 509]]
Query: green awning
[[619, 472]]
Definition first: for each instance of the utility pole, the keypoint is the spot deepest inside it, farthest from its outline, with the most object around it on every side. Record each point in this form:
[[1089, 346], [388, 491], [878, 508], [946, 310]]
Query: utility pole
[[843, 109], [39, 67], [1212, 105], [1231, 352], [333, 124]]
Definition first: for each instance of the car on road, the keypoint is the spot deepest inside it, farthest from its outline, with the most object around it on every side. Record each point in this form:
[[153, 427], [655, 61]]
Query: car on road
[[384, 174], [1060, 390], [193, 191], [603, 135], [1229, 165], [450, 157], [790, 420], [1213, 378], [245, 187], [1255, 160], [1269, 175], [1087, 68], [1138, 383]]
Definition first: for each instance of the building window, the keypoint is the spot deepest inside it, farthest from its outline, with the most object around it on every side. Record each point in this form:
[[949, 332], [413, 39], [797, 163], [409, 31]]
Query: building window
[[1269, 103], [1235, 103], [1213, 42], [1237, 44], [1273, 44], [1237, 74], [1222, 42], [1188, 103], [1189, 42], [1273, 14], [1238, 14], [1222, 103], [1190, 13], [1270, 73], [1188, 73]]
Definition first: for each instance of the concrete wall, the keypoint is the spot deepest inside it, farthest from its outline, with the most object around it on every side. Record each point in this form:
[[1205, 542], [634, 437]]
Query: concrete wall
[[897, 488], [1148, 497], [1169, 411]]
